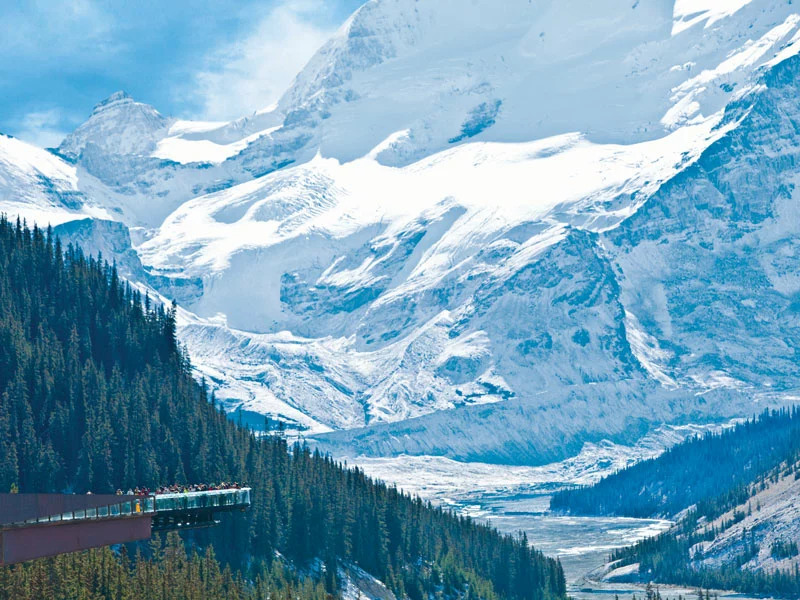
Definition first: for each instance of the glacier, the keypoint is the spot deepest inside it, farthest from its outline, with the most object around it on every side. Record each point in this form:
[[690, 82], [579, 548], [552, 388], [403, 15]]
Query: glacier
[[493, 233]]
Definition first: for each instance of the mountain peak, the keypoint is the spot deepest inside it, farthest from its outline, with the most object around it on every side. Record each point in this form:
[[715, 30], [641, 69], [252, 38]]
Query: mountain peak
[[117, 97], [118, 125]]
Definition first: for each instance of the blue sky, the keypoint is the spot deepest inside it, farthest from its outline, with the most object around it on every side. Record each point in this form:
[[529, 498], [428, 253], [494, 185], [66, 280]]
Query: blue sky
[[206, 59]]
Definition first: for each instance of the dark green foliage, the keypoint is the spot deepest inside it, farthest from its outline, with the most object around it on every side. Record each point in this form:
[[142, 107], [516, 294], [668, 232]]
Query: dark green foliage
[[170, 574], [719, 466], [784, 549], [95, 394]]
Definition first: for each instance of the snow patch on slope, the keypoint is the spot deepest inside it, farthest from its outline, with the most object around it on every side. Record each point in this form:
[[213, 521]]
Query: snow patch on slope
[[688, 13], [647, 351], [40, 186], [190, 142]]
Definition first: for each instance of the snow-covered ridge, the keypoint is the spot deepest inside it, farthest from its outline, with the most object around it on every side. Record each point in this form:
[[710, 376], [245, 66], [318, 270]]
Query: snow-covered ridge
[[404, 80], [436, 73], [40, 186], [498, 185]]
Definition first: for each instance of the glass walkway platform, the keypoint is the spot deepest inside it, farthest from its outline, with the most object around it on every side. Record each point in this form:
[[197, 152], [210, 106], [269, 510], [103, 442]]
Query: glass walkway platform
[[196, 509], [168, 511], [38, 525]]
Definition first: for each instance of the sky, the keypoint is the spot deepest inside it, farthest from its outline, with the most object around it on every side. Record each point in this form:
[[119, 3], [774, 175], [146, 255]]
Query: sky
[[201, 59]]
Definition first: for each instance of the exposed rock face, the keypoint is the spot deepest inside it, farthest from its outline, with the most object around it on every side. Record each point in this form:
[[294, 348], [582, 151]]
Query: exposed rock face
[[118, 126]]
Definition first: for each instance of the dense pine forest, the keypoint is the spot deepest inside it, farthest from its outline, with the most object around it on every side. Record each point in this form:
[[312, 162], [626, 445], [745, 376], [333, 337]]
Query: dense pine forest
[[710, 476], [711, 468], [168, 573], [96, 394]]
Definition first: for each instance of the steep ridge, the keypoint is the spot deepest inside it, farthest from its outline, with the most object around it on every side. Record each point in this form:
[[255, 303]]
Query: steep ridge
[[113, 153], [118, 125], [421, 76], [708, 263], [406, 80]]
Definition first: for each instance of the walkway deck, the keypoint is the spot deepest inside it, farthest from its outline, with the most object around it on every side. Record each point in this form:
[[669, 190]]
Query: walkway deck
[[38, 525]]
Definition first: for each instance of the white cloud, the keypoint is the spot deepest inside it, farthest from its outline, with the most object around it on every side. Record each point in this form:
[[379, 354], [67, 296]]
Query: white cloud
[[251, 74], [42, 128]]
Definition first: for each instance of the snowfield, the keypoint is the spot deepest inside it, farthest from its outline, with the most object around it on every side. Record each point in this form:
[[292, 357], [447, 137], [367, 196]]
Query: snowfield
[[493, 187]]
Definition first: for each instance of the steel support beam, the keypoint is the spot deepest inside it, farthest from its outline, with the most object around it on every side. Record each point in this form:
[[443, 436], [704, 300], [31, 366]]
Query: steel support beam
[[18, 544]]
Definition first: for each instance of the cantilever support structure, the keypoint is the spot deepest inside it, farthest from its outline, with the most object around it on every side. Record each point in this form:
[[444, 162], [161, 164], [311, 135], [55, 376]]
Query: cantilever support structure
[[39, 525]]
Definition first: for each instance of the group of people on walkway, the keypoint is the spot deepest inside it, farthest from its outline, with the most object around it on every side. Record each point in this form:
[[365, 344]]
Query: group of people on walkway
[[180, 489]]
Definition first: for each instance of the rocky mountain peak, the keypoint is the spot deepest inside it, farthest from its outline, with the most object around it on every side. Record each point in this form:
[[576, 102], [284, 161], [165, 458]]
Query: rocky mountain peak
[[118, 125]]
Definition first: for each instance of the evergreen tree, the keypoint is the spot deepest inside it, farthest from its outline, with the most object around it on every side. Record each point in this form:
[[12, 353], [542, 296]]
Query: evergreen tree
[[96, 394]]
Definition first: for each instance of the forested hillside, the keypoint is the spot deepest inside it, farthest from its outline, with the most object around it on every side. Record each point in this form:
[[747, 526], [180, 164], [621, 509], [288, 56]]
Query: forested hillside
[[95, 394], [745, 542], [734, 494], [694, 472]]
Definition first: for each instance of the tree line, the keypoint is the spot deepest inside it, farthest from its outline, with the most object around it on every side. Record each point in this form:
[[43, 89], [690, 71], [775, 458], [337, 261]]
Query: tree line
[[96, 394]]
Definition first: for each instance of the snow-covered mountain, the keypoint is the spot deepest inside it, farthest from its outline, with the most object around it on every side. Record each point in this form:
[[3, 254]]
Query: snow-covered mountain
[[118, 126], [40, 186], [490, 231]]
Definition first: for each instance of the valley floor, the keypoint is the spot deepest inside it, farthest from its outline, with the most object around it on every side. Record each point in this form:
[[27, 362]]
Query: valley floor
[[515, 499]]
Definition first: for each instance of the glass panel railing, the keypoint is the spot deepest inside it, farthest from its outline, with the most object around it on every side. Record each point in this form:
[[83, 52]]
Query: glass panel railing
[[200, 500], [121, 509]]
